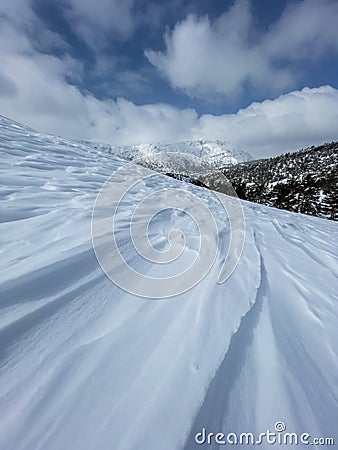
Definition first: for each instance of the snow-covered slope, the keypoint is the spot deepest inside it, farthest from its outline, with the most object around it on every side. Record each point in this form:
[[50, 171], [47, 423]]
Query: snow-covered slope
[[216, 153], [85, 365], [305, 181]]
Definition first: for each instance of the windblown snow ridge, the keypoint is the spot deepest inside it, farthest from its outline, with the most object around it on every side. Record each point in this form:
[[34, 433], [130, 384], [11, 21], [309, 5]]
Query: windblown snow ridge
[[84, 362]]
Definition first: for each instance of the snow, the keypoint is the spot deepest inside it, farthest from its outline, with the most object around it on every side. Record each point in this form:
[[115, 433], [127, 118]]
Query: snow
[[85, 365], [214, 153], [321, 195]]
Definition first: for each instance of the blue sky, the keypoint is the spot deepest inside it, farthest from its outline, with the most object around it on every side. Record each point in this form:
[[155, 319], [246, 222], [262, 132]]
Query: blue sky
[[250, 72]]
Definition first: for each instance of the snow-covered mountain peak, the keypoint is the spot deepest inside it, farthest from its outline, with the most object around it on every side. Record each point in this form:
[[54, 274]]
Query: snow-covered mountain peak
[[216, 153]]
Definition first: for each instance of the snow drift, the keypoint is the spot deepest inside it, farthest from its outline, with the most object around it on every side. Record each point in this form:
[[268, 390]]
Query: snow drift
[[85, 365]]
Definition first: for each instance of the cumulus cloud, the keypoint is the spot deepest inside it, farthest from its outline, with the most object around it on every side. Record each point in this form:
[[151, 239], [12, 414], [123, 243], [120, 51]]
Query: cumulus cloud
[[40, 90], [207, 58], [38, 94], [289, 122], [36, 89]]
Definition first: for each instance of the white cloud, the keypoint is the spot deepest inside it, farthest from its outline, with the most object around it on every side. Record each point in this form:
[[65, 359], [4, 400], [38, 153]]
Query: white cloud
[[305, 31], [39, 95], [16, 11], [22, 29], [35, 89], [207, 58], [93, 20], [150, 123], [289, 122]]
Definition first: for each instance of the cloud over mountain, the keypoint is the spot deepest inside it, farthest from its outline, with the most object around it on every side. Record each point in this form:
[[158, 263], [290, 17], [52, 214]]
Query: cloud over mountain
[[206, 57]]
